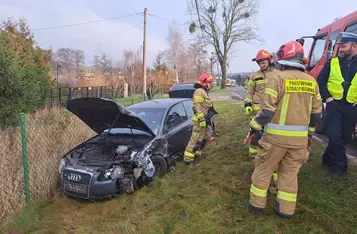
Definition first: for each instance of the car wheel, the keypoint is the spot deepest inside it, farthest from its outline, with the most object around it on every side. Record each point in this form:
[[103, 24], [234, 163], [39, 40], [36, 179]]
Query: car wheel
[[160, 165]]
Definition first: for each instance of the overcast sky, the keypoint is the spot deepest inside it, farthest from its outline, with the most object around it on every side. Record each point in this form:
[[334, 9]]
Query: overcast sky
[[279, 21]]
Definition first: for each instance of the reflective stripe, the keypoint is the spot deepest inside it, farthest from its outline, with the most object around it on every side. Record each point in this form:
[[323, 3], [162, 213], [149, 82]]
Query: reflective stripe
[[250, 82], [310, 108], [271, 92], [265, 81], [254, 124], [200, 115], [311, 130], [189, 154], [252, 150], [291, 197], [198, 99], [275, 177], [286, 130], [198, 152], [258, 192], [284, 109], [256, 107], [194, 118], [318, 97]]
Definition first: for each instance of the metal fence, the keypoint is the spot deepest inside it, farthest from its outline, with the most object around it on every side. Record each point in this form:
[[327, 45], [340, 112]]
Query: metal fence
[[60, 96], [30, 152]]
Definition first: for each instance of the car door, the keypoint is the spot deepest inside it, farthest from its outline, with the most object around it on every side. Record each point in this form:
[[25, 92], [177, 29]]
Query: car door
[[175, 128], [188, 108]]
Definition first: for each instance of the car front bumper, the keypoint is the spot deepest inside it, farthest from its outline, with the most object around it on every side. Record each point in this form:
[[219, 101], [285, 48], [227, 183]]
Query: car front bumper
[[82, 184]]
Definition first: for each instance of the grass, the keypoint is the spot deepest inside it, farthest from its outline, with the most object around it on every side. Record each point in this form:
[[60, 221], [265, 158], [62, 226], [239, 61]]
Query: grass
[[209, 199]]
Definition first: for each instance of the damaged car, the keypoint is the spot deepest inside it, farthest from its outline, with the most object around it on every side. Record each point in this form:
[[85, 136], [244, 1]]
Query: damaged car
[[133, 146]]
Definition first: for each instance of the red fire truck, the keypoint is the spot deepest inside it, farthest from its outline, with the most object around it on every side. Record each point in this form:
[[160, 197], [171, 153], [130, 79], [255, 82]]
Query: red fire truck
[[323, 48]]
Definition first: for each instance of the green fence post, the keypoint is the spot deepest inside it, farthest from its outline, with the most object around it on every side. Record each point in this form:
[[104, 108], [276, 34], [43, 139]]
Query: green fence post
[[25, 157]]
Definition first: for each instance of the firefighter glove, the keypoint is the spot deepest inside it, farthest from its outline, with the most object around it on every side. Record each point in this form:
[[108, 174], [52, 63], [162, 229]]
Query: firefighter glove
[[203, 124], [248, 110]]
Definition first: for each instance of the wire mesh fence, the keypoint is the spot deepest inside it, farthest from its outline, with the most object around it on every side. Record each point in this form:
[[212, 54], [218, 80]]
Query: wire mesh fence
[[35, 146]]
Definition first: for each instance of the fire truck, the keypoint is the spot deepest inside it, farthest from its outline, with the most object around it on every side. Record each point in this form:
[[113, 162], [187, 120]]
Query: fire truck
[[323, 48]]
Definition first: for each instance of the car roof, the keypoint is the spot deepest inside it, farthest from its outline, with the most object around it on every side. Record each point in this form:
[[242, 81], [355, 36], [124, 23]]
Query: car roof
[[159, 103], [181, 86]]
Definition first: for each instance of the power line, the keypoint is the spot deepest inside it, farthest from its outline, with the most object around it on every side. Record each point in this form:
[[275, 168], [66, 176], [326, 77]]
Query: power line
[[159, 17], [89, 22]]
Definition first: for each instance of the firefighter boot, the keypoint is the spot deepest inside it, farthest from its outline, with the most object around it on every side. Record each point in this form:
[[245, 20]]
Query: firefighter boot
[[193, 163], [201, 155], [254, 210]]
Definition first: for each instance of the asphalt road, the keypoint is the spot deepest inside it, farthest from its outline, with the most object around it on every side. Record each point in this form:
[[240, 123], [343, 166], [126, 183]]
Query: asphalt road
[[239, 90], [351, 147]]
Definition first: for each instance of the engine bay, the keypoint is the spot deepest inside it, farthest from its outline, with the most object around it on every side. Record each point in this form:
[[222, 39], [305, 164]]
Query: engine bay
[[107, 149]]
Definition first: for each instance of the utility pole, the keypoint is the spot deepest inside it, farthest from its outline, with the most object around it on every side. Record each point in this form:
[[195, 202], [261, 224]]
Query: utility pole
[[144, 52]]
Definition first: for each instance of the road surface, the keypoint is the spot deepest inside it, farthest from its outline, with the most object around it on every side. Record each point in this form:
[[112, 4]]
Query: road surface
[[351, 147]]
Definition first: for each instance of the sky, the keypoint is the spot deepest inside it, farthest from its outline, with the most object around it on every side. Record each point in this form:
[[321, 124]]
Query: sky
[[279, 21]]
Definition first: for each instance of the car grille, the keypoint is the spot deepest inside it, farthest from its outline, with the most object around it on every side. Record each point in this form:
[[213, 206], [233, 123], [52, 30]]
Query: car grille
[[76, 183]]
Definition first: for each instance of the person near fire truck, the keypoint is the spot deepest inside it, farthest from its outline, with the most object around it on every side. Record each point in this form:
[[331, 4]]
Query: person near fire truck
[[338, 86], [255, 90], [290, 112], [254, 96], [202, 104]]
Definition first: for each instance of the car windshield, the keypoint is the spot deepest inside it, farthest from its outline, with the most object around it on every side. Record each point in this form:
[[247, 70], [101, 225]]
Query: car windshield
[[151, 116]]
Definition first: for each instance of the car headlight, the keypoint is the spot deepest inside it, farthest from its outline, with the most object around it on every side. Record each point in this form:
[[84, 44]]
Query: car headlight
[[118, 172], [114, 173], [62, 163]]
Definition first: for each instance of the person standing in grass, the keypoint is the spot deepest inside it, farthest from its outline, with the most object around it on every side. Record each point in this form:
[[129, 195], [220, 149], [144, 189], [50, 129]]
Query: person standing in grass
[[201, 106], [290, 112]]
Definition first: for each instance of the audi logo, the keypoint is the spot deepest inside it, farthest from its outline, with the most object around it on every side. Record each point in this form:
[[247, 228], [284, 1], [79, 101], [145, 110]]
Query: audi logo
[[74, 177]]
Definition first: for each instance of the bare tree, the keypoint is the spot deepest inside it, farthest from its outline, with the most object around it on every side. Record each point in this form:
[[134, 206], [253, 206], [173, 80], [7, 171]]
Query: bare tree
[[72, 61], [224, 23], [176, 49]]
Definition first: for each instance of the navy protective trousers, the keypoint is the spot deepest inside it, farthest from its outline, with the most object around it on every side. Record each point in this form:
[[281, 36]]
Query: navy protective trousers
[[340, 120]]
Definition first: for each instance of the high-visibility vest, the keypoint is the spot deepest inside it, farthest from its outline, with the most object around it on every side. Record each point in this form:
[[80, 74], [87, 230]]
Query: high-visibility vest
[[336, 80]]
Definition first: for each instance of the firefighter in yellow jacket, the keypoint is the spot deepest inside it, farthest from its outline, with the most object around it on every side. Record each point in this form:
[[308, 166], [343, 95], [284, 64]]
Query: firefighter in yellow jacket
[[255, 91], [290, 112], [201, 105]]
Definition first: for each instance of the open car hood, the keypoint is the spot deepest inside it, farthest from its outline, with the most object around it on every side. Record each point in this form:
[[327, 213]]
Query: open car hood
[[101, 114]]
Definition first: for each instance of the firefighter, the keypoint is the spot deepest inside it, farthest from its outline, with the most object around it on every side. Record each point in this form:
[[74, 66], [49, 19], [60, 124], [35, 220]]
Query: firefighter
[[338, 86], [290, 112], [201, 105], [255, 90]]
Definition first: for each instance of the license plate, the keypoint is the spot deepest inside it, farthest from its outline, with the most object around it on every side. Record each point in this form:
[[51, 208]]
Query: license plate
[[75, 188]]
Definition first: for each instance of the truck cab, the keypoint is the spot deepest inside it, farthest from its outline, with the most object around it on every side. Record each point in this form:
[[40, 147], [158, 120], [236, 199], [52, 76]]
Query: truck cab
[[324, 47]]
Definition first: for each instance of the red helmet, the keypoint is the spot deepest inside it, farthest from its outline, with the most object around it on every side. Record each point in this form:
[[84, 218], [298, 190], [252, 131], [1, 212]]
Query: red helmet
[[291, 54], [261, 55], [205, 79]]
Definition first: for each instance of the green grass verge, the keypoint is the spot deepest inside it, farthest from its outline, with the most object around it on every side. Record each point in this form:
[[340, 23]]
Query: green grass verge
[[209, 199]]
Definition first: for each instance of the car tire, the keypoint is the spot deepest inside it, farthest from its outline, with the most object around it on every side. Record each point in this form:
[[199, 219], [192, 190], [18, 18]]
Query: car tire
[[320, 129], [160, 165]]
